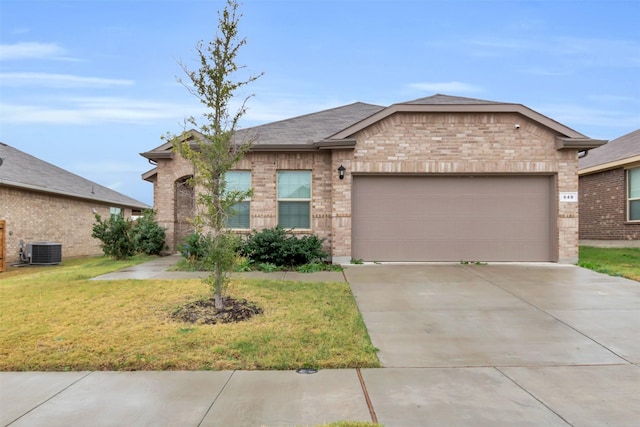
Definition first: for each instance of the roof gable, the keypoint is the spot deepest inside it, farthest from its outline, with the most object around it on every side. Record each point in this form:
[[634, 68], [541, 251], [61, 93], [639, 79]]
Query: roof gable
[[22, 170], [620, 151], [335, 127], [454, 104], [440, 99]]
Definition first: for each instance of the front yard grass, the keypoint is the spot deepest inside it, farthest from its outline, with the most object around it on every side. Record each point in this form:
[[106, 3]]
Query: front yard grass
[[55, 319], [624, 262]]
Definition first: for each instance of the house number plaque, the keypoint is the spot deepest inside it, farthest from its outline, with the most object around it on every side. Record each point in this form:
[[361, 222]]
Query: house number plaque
[[569, 197]]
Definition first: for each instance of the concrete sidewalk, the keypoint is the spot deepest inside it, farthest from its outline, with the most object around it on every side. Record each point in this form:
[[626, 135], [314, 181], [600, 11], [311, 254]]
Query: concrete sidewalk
[[160, 269], [491, 345]]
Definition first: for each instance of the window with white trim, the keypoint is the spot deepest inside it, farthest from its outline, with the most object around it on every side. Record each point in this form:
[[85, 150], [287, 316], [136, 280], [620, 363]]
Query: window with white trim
[[240, 215], [115, 211], [294, 199], [633, 194]]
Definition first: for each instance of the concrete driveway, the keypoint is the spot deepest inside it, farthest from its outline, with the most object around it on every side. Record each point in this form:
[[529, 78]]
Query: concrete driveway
[[501, 343]]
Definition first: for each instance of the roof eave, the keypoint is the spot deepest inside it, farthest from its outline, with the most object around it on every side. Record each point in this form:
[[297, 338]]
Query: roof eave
[[157, 155], [458, 108], [69, 194], [150, 175], [282, 147], [325, 144], [578, 143], [336, 144], [628, 162]]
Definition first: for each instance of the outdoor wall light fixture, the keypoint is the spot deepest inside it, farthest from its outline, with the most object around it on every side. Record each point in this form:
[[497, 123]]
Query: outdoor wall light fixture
[[341, 170]]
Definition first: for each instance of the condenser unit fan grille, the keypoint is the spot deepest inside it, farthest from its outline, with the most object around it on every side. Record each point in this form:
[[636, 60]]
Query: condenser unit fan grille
[[44, 253]]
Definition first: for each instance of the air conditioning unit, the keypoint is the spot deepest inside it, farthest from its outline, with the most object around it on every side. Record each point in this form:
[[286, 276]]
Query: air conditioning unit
[[44, 253]]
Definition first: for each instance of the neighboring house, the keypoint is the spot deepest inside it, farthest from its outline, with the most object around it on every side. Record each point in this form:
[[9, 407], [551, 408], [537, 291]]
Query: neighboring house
[[610, 190], [440, 178], [40, 202]]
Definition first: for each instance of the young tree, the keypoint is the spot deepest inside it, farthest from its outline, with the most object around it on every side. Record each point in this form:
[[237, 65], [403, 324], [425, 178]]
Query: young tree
[[216, 149]]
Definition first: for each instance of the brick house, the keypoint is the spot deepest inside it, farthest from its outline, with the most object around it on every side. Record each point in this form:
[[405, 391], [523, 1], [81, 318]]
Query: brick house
[[42, 202], [610, 190], [440, 178]]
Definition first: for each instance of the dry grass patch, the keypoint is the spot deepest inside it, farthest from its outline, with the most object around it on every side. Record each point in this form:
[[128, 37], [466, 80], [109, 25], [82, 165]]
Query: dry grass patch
[[55, 319]]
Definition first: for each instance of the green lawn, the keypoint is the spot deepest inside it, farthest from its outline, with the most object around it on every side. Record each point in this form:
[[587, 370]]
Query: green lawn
[[623, 262], [54, 318]]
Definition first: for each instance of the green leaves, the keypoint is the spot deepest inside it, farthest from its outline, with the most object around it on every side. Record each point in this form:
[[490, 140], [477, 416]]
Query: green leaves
[[122, 238], [277, 246]]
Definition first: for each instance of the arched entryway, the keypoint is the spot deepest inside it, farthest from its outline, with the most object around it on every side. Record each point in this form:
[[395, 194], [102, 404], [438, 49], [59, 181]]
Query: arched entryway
[[184, 209]]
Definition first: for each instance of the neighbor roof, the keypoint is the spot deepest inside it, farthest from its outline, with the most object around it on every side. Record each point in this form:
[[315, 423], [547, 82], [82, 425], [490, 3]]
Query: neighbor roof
[[618, 152], [21, 170]]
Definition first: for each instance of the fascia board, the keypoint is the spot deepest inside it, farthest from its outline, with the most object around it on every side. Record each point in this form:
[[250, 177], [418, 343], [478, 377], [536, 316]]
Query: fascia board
[[610, 165], [462, 108]]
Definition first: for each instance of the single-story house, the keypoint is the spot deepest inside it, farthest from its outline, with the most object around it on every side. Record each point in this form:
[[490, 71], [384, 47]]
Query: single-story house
[[40, 202], [441, 178], [610, 190]]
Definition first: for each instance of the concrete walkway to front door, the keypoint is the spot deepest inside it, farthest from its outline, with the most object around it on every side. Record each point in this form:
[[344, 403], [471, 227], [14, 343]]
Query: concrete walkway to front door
[[469, 344]]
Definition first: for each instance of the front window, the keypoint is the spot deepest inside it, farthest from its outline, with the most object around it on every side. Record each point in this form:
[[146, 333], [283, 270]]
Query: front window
[[294, 199], [240, 214], [633, 195], [115, 211]]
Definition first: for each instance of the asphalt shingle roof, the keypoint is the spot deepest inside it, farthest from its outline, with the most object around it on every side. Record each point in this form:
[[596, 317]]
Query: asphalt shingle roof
[[22, 170], [340, 123], [310, 128], [440, 99], [620, 148]]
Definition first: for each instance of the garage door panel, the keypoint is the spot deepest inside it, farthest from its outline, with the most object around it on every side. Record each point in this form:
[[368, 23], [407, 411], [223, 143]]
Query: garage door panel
[[491, 218]]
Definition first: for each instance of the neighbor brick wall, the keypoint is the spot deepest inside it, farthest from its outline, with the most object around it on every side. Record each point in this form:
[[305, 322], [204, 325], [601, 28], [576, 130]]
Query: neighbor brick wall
[[603, 210], [35, 217]]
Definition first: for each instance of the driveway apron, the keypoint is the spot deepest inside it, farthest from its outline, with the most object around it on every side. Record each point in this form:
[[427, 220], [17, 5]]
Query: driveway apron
[[492, 344]]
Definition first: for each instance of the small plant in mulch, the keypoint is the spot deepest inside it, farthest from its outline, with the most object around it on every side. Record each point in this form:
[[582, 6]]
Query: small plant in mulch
[[204, 311]]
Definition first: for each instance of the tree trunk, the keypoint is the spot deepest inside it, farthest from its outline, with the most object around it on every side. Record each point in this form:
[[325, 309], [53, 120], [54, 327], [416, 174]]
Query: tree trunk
[[219, 281]]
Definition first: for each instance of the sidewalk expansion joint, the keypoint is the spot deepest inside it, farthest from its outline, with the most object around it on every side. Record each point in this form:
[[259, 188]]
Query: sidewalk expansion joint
[[372, 412]]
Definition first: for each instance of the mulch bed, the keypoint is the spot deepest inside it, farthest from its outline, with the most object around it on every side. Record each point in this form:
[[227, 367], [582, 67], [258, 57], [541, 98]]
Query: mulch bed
[[204, 311]]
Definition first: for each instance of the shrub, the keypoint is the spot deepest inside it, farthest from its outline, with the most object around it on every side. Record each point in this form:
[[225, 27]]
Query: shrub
[[122, 238], [148, 236], [116, 236], [200, 250], [192, 247], [194, 250], [276, 246]]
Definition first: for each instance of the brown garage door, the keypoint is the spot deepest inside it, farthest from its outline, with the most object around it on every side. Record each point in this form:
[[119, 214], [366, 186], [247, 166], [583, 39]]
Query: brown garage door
[[453, 218]]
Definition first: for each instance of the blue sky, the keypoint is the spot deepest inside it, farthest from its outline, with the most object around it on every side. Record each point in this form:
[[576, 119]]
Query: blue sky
[[87, 85]]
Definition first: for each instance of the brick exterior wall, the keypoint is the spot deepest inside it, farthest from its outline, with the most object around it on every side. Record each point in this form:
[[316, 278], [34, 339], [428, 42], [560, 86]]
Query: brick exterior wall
[[603, 207], [172, 210], [469, 144], [35, 217], [407, 143]]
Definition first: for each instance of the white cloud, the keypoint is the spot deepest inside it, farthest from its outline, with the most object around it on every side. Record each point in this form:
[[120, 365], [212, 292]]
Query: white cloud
[[575, 50], [59, 80], [446, 87], [282, 108], [584, 116], [540, 71], [92, 110], [32, 50]]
